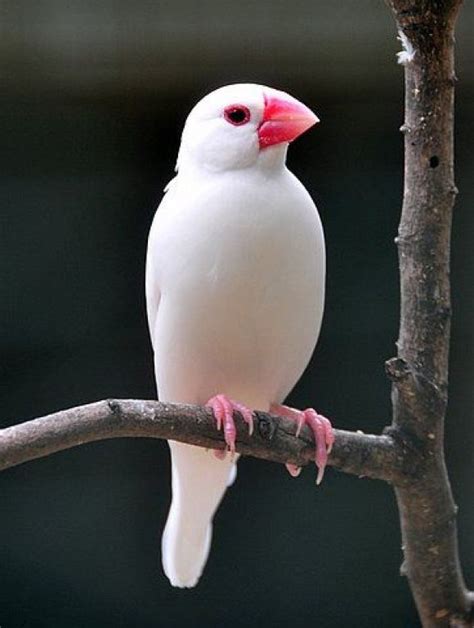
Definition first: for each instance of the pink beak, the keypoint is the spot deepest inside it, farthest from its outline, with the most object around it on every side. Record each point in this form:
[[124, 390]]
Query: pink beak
[[284, 119]]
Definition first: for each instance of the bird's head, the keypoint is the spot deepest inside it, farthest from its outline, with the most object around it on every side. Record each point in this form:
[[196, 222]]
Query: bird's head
[[238, 125]]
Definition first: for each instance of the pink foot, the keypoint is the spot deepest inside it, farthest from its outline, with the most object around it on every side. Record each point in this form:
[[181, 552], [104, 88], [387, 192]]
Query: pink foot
[[322, 430], [223, 409]]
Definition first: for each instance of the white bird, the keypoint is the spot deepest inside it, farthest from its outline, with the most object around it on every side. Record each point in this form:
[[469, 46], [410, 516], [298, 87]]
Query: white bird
[[235, 294]]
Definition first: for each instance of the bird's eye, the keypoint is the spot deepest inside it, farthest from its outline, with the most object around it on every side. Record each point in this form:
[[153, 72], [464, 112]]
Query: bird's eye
[[237, 114]]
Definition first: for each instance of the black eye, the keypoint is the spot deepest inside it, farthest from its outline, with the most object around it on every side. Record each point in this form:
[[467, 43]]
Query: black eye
[[237, 114]]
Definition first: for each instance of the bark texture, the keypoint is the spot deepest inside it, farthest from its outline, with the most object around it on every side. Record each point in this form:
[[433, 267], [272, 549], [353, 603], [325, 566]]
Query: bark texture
[[420, 372], [273, 438]]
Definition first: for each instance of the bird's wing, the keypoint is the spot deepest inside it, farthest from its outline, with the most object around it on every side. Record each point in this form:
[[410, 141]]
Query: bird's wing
[[152, 283], [153, 297], [199, 479], [152, 275]]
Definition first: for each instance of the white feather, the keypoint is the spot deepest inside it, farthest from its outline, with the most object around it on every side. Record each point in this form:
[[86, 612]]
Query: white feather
[[408, 53], [235, 294]]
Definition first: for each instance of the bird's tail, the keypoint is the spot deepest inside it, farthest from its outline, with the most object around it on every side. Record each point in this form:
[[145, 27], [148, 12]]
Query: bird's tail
[[199, 481]]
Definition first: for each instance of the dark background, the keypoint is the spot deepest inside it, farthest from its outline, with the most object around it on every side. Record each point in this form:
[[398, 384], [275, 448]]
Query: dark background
[[93, 99]]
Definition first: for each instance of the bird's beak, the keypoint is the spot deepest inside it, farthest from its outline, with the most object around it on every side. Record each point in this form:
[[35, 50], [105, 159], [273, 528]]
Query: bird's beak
[[284, 119]]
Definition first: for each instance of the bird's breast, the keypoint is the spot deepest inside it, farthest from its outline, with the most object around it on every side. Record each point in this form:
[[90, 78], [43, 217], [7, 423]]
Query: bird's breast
[[241, 275]]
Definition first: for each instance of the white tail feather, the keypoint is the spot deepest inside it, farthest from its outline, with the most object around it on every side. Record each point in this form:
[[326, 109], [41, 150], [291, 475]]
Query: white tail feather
[[199, 481]]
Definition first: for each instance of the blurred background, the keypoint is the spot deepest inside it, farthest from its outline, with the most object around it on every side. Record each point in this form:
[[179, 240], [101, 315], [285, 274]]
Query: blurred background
[[93, 99]]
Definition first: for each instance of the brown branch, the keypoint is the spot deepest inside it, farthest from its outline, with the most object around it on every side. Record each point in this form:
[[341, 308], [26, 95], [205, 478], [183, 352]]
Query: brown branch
[[420, 372], [274, 437]]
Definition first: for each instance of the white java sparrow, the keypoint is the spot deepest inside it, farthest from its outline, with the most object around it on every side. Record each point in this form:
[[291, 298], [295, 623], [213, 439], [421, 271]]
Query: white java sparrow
[[235, 294]]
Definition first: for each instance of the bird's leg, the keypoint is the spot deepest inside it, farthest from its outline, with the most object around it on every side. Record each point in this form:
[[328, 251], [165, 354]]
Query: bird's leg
[[321, 428], [223, 409]]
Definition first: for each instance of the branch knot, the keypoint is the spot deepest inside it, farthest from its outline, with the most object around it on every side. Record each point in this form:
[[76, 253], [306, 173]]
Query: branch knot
[[114, 406], [266, 426], [397, 369]]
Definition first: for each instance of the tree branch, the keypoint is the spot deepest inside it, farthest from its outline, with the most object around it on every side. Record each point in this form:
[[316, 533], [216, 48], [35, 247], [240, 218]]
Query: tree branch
[[420, 372], [378, 457]]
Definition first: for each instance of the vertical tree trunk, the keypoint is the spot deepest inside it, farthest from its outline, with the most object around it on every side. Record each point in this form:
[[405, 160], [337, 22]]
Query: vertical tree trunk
[[420, 372]]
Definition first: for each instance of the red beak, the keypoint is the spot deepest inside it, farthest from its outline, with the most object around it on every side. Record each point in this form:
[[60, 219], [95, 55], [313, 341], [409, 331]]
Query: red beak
[[284, 119]]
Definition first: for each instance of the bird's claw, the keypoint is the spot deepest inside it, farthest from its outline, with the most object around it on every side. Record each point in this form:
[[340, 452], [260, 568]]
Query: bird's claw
[[323, 435], [293, 469], [223, 409]]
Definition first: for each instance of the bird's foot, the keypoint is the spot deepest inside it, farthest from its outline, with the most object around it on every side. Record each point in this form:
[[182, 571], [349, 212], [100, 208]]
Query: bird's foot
[[223, 409], [322, 430]]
